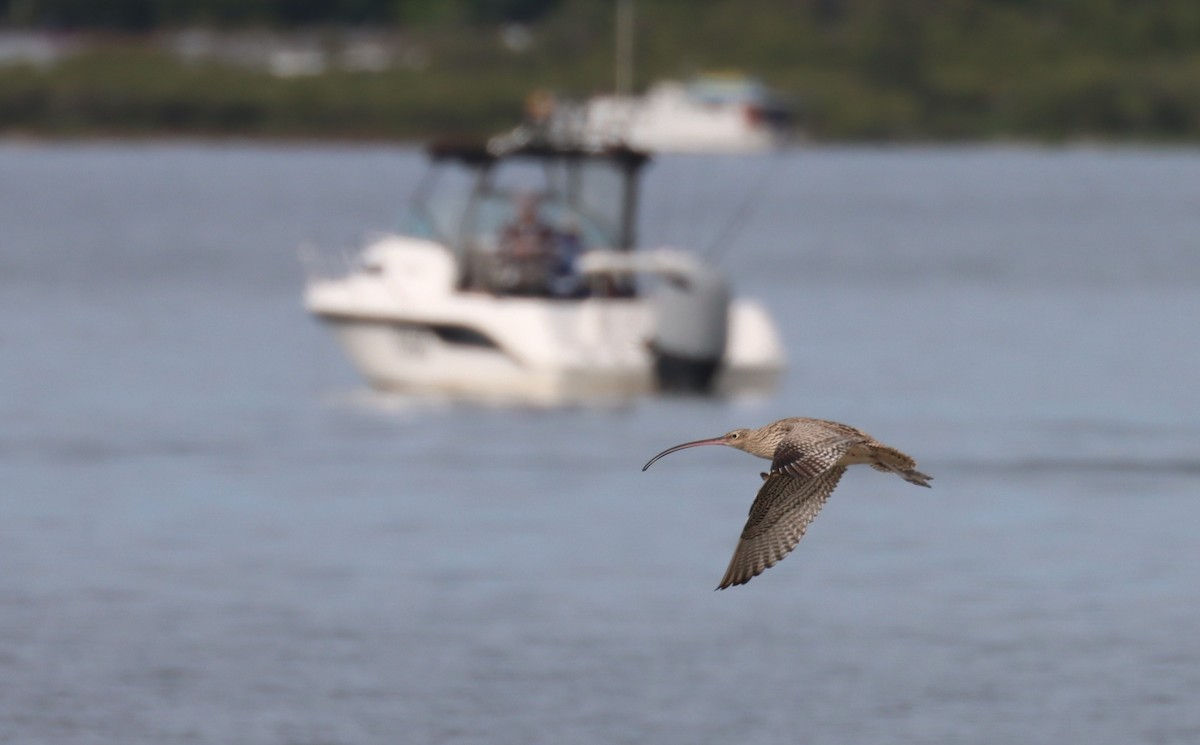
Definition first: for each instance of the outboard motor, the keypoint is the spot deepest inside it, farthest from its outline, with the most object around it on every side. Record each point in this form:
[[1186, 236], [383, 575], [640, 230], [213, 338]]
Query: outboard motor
[[692, 313]]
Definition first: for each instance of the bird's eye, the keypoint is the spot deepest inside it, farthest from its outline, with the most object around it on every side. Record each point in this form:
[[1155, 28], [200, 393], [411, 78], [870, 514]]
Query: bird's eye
[[734, 435]]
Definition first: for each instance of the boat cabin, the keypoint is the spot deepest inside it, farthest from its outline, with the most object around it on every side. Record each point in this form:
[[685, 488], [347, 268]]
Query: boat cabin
[[518, 216]]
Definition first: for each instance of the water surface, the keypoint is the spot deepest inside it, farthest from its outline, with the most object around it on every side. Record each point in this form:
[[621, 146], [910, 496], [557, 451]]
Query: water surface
[[210, 533]]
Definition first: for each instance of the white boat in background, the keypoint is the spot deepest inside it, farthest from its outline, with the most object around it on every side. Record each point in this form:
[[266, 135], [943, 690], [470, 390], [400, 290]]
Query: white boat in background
[[709, 114], [713, 113], [460, 302]]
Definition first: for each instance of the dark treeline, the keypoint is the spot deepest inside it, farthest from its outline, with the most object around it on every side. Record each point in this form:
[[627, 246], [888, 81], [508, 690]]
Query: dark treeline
[[857, 69], [144, 15]]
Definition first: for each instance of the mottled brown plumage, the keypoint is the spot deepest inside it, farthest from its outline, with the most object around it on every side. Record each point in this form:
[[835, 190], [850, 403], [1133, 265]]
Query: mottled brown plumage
[[808, 457]]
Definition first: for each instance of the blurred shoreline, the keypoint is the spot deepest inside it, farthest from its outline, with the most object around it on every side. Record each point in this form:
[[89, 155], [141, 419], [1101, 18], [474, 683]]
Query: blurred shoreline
[[855, 72]]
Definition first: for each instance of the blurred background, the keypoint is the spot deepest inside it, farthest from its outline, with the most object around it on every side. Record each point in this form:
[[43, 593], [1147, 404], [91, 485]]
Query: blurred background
[[857, 69], [981, 247]]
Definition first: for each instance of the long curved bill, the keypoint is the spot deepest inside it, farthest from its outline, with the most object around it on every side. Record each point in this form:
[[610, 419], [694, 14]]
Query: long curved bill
[[697, 443]]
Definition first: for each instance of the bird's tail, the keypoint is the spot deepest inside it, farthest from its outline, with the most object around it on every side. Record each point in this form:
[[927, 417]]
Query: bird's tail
[[894, 461], [916, 477]]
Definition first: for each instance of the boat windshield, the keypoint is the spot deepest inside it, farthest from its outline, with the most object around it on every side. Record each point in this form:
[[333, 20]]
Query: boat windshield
[[601, 196], [466, 207], [517, 221], [436, 212], [719, 90]]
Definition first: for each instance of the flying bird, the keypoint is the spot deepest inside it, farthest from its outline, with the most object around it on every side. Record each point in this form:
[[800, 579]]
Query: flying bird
[[808, 457]]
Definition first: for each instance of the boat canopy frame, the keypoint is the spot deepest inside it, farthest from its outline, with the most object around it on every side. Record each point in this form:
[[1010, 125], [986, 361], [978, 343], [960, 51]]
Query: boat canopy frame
[[563, 169]]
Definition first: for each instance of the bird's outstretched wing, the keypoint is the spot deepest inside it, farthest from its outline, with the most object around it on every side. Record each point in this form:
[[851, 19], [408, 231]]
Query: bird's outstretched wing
[[781, 512], [806, 458]]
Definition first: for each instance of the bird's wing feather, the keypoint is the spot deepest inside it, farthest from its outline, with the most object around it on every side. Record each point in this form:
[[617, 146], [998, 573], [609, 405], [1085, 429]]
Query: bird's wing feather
[[809, 458], [778, 518]]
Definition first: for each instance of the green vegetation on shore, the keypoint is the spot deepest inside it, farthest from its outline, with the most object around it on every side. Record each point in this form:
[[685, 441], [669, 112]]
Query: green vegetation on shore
[[859, 70]]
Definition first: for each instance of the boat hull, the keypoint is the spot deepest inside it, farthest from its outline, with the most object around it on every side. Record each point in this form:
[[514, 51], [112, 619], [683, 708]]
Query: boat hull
[[411, 355], [406, 326], [405, 357]]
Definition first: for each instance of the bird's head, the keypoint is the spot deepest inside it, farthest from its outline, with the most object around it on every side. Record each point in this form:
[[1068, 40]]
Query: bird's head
[[742, 439]]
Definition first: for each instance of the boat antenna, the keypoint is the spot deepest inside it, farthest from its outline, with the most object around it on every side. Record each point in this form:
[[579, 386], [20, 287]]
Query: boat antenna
[[751, 202], [624, 51]]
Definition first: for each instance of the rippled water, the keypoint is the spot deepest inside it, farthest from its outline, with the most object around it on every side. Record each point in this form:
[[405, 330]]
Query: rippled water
[[209, 533]]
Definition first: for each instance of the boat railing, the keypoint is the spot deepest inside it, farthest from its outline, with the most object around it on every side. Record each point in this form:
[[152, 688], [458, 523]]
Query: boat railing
[[330, 263]]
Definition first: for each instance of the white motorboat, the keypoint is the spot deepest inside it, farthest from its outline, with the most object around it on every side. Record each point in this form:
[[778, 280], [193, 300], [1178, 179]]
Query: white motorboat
[[515, 276], [709, 114]]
